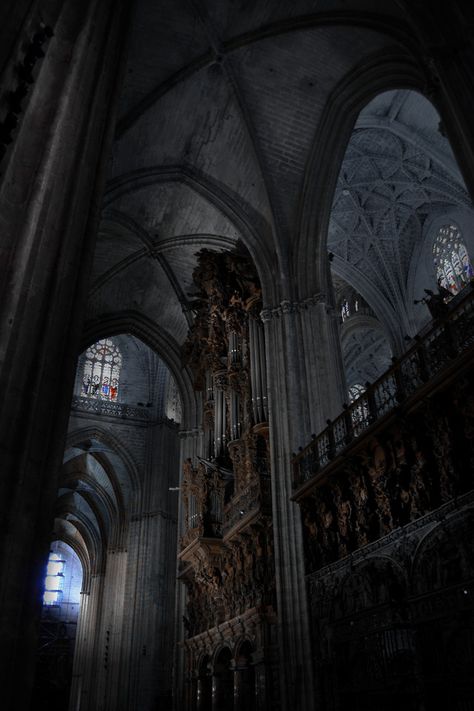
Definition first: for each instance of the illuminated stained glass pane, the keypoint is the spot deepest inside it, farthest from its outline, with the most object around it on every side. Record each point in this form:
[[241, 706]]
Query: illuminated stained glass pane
[[53, 581], [453, 266], [360, 413], [54, 568], [50, 597], [355, 391], [55, 565], [345, 310], [456, 262], [101, 372]]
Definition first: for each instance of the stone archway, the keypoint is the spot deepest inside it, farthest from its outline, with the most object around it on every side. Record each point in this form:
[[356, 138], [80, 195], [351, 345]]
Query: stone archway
[[245, 688], [203, 699], [223, 681]]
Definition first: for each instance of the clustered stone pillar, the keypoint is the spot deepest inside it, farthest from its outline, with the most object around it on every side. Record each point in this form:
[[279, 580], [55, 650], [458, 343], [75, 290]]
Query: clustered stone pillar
[[290, 377], [50, 188], [295, 371], [85, 662]]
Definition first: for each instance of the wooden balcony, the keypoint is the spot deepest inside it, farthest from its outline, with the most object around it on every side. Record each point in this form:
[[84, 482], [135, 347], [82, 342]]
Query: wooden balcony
[[437, 356], [402, 450]]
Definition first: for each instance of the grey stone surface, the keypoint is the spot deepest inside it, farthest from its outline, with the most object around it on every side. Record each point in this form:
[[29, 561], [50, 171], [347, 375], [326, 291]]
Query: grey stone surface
[[153, 130]]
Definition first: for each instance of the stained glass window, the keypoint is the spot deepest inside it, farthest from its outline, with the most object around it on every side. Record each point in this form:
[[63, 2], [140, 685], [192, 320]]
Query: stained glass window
[[53, 582], [359, 413], [102, 371], [453, 266], [345, 310], [355, 391]]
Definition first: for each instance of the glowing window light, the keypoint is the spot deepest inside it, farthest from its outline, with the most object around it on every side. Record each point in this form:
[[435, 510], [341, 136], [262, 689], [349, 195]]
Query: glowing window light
[[453, 266], [102, 371], [53, 582], [54, 567], [345, 310]]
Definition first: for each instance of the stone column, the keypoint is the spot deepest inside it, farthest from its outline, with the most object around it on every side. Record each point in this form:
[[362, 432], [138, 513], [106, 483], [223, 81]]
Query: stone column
[[150, 609], [85, 652], [51, 184], [113, 693], [304, 389], [321, 363], [97, 680]]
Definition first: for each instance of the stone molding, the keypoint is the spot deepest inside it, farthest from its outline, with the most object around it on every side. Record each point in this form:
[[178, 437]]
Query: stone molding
[[451, 511], [195, 432], [111, 409], [158, 513], [292, 307]]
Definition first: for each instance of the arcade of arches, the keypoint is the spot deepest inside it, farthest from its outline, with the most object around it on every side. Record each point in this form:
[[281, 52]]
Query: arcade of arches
[[236, 346]]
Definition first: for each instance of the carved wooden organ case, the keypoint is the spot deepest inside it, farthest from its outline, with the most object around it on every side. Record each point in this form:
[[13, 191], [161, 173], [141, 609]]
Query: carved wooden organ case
[[226, 549]]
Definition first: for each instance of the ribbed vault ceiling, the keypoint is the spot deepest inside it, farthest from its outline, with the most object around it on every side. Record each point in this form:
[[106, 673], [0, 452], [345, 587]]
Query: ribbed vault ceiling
[[397, 172], [220, 108]]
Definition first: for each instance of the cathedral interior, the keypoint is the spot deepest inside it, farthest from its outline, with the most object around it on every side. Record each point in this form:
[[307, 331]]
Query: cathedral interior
[[236, 357]]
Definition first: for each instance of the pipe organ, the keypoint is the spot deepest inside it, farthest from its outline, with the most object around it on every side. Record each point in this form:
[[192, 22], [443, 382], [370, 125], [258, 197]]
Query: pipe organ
[[226, 548]]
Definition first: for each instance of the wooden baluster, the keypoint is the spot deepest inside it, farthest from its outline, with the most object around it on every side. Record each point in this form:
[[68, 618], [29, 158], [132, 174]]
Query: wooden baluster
[[332, 440], [371, 402], [349, 436], [400, 393], [422, 359]]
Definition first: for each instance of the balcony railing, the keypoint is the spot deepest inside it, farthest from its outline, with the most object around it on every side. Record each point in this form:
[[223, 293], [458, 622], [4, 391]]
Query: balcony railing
[[432, 354], [254, 499], [110, 409]]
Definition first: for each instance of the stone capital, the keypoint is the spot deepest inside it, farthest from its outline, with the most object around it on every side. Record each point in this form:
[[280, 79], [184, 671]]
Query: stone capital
[[292, 307]]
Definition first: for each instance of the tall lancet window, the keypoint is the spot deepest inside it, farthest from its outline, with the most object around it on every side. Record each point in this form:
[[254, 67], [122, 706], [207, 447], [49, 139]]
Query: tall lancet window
[[453, 266], [102, 371]]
